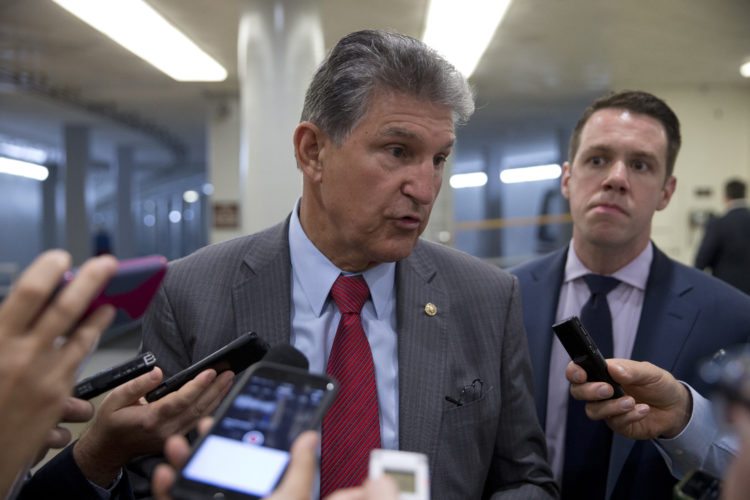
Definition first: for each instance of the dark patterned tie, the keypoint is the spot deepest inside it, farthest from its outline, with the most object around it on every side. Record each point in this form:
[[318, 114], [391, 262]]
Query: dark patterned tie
[[351, 428], [587, 443]]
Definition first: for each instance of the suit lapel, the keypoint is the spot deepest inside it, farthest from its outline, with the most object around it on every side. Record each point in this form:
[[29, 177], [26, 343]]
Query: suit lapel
[[422, 352], [261, 294], [666, 322], [539, 311]]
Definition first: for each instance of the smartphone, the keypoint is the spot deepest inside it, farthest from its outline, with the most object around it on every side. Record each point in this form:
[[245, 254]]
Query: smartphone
[[243, 351], [409, 470], [246, 452], [112, 377], [698, 485], [583, 351], [131, 289]]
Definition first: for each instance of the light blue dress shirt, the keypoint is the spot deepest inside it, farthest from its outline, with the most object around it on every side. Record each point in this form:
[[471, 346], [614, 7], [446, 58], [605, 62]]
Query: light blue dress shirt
[[315, 319]]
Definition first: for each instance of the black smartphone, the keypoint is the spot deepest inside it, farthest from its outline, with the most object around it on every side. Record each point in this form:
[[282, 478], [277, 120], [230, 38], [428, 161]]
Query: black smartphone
[[243, 351], [698, 485], [131, 289], [246, 452], [583, 351], [112, 377]]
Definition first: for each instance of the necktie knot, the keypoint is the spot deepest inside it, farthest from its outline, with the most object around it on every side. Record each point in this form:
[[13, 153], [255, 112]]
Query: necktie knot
[[350, 293], [599, 284]]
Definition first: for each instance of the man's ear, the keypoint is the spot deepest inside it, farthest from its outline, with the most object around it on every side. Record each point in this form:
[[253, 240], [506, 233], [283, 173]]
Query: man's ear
[[309, 142], [564, 180], [667, 191]]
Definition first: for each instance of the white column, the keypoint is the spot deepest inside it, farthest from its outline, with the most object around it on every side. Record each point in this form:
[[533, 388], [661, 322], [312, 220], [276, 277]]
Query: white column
[[280, 46]]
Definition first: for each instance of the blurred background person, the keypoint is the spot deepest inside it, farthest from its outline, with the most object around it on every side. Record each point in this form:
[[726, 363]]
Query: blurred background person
[[725, 248]]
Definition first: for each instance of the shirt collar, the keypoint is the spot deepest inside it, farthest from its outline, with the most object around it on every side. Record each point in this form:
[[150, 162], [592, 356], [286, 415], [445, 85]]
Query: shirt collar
[[316, 274], [635, 273]]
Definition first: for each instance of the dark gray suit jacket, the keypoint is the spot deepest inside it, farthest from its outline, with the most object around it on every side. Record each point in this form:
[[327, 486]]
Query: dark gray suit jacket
[[490, 446], [686, 317], [726, 248]]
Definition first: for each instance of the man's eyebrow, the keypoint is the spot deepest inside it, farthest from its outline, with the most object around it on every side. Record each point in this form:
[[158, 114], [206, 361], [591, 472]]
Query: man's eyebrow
[[604, 148], [402, 133], [398, 132]]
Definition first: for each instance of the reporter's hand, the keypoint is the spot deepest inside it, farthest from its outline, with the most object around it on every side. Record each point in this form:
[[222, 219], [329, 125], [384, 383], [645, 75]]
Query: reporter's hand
[[656, 405], [297, 482], [75, 410], [42, 345], [126, 426]]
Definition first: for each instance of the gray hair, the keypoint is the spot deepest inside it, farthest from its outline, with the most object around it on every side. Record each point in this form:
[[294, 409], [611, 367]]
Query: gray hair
[[364, 61]]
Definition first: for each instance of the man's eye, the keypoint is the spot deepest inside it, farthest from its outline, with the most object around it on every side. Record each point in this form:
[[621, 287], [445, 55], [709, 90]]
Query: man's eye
[[439, 160], [597, 161], [397, 151], [640, 166]]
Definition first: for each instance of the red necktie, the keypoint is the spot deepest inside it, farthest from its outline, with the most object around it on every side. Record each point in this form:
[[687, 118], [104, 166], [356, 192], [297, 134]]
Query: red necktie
[[351, 428]]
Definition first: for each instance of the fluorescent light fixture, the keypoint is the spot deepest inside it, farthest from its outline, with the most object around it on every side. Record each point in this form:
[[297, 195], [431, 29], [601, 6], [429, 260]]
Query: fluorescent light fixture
[[25, 153], [530, 174], [745, 69], [23, 169], [471, 179], [139, 28], [462, 30]]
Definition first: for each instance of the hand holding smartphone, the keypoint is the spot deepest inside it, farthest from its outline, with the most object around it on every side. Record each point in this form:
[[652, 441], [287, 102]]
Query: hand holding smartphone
[[584, 352], [109, 379], [246, 452], [236, 356]]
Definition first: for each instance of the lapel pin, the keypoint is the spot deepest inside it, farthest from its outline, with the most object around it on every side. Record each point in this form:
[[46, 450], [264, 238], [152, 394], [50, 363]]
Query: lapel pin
[[430, 309]]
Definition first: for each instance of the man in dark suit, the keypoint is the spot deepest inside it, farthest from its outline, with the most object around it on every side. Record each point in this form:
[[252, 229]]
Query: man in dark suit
[[663, 314], [725, 248], [445, 335]]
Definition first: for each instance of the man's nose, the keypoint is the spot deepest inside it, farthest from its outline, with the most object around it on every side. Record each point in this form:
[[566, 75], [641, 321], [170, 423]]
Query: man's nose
[[423, 183], [617, 176]]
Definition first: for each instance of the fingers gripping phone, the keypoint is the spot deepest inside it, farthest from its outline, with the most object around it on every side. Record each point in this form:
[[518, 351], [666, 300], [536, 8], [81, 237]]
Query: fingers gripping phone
[[246, 452], [243, 351], [131, 289], [584, 352]]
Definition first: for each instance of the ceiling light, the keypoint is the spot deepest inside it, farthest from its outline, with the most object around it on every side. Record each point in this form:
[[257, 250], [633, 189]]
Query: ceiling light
[[745, 70], [461, 31], [25, 153], [471, 179], [190, 196], [530, 174], [23, 169], [139, 28]]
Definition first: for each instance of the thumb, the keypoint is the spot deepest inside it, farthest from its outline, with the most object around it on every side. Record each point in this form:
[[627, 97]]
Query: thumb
[[300, 474]]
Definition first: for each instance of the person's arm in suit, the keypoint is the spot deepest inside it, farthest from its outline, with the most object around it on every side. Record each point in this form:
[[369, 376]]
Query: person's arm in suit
[[519, 468], [709, 247], [658, 407]]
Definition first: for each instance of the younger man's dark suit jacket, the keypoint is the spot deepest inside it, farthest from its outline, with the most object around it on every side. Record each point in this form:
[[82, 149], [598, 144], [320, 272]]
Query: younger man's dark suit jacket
[[686, 317]]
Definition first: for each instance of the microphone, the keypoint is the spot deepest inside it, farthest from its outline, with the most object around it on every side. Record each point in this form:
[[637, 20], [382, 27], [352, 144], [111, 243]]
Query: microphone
[[287, 354]]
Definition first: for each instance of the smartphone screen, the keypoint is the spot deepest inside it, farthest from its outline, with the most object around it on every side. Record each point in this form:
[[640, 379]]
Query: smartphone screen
[[246, 452]]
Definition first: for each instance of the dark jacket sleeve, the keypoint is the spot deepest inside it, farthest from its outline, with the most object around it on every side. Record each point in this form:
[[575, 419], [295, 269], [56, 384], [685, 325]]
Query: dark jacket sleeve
[[62, 479]]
